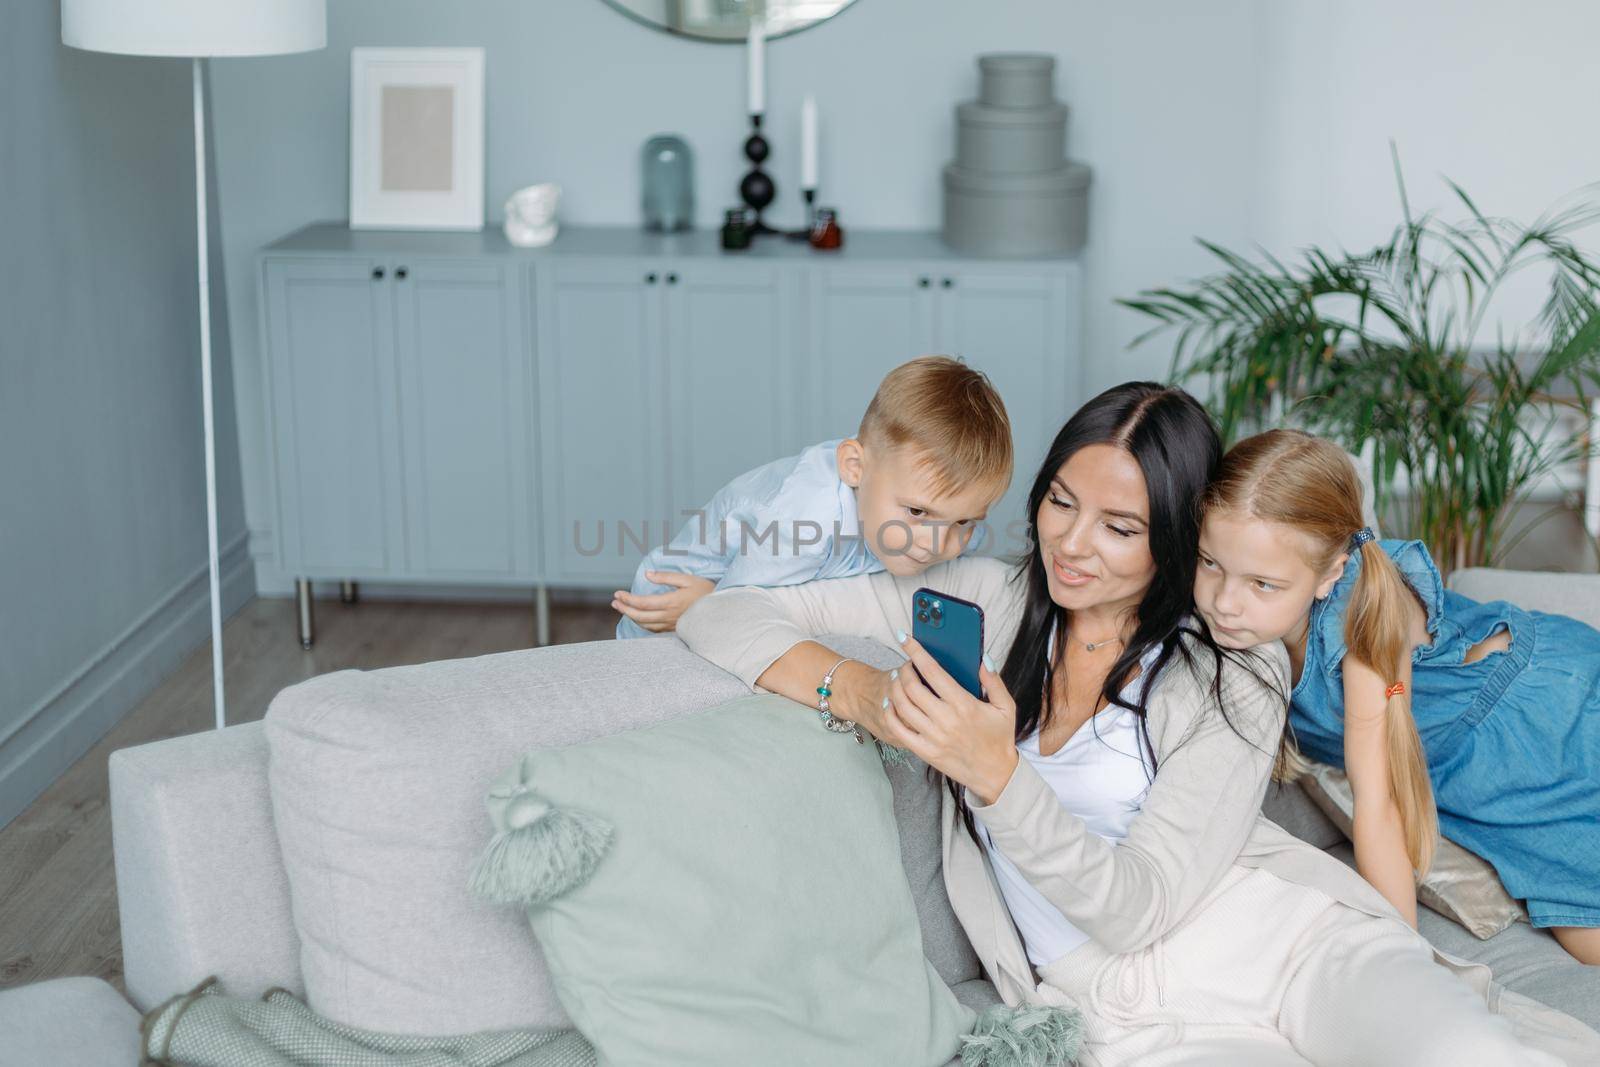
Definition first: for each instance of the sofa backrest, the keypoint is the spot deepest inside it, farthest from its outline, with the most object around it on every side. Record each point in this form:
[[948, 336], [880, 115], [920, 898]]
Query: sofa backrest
[[1575, 595]]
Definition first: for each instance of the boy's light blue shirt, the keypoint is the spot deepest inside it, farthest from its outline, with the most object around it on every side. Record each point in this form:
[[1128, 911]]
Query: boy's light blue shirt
[[784, 523]]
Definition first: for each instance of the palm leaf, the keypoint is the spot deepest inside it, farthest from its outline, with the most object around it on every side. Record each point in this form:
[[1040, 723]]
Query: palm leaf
[[1380, 348]]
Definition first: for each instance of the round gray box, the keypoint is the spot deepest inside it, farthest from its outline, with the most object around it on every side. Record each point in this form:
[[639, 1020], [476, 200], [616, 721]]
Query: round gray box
[[1006, 215], [1016, 79], [1005, 140]]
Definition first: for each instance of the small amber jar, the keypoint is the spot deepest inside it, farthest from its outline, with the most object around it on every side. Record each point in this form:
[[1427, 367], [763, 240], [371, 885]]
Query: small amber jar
[[826, 233]]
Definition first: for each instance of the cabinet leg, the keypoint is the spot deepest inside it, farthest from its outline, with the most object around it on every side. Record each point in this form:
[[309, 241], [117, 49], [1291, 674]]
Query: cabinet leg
[[303, 611], [541, 615], [349, 593]]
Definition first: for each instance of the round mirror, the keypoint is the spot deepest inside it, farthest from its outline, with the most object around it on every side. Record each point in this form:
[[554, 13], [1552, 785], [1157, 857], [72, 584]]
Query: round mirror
[[729, 20]]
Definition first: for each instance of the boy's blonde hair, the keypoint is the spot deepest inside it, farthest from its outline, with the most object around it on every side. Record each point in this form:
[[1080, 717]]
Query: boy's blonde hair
[[950, 415], [1309, 484]]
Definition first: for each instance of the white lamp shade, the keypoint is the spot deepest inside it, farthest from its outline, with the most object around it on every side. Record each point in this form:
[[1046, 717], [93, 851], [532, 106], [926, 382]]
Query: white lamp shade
[[195, 27]]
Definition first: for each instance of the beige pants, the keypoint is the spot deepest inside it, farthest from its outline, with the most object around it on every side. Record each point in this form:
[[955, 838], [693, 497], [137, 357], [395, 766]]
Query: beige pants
[[1266, 972]]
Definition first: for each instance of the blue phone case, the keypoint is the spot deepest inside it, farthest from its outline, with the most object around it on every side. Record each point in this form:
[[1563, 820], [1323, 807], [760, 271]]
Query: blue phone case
[[951, 629]]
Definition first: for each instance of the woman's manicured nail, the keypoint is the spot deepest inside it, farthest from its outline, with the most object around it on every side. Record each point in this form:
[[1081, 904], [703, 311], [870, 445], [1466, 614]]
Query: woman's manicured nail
[[885, 704], [900, 635], [894, 674], [987, 662]]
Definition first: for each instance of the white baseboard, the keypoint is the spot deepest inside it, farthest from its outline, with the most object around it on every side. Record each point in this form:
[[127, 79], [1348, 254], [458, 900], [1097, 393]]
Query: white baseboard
[[58, 730]]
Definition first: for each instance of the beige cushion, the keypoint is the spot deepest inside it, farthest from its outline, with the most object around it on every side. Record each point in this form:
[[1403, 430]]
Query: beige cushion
[[1460, 885]]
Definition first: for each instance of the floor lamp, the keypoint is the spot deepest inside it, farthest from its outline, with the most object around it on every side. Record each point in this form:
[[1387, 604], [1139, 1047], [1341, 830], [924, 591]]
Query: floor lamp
[[198, 29]]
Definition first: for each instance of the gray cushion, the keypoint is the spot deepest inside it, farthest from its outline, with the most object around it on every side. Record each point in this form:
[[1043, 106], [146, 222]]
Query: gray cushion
[[377, 796], [917, 810], [68, 1022], [1288, 805]]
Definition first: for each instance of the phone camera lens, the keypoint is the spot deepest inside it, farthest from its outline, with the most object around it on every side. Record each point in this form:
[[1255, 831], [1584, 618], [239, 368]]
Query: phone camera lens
[[936, 613], [922, 616]]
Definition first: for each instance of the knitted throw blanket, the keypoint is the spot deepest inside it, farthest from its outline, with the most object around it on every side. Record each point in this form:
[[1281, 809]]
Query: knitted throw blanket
[[205, 1028]]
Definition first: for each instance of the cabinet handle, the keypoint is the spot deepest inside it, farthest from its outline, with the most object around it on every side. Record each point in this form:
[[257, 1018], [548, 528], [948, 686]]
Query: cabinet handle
[[923, 283], [377, 274], [948, 283], [400, 272], [650, 279], [672, 279]]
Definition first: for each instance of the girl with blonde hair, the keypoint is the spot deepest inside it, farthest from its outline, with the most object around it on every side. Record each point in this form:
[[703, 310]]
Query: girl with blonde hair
[[1480, 720]]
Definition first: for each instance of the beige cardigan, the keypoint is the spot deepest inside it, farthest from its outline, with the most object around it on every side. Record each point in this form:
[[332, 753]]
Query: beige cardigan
[[1202, 814]]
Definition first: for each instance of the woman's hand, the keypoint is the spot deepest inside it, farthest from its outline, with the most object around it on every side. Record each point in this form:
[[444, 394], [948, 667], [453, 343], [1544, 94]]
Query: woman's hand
[[659, 612], [859, 692], [969, 740]]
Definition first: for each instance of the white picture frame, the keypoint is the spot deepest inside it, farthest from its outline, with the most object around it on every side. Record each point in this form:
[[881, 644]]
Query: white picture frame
[[416, 138]]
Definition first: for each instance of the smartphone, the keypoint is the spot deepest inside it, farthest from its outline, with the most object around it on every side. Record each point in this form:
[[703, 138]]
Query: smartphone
[[951, 629]]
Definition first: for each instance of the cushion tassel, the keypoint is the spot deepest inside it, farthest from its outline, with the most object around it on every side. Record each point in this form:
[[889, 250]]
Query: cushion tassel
[[1029, 1036], [542, 853], [893, 756]]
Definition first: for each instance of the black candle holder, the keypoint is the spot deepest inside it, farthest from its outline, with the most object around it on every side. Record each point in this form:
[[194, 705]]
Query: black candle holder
[[757, 188]]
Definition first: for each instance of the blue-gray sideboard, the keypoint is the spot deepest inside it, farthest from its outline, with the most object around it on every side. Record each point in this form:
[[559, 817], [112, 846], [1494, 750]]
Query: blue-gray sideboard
[[446, 407]]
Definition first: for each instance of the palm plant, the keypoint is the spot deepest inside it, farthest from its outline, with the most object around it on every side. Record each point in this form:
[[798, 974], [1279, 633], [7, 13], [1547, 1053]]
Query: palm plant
[[1385, 349]]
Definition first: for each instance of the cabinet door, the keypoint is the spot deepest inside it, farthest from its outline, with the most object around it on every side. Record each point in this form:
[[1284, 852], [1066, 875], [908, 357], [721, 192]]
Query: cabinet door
[[732, 402], [1018, 328], [334, 417], [865, 322], [603, 440], [464, 401]]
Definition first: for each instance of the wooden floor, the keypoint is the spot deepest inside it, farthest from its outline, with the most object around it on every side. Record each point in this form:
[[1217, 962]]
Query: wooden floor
[[58, 895]]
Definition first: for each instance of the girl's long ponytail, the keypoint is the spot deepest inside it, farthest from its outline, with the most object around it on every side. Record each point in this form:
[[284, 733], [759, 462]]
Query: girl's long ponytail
[[1377, 628]]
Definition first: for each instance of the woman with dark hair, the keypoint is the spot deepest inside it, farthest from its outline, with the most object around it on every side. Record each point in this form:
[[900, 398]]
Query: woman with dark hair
[[1103, 842]]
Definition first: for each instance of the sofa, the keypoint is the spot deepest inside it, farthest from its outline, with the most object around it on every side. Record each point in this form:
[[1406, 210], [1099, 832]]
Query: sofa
[[325, 848]]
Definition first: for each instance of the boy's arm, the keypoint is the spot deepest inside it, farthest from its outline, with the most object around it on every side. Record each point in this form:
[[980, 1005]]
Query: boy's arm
[[685, 569]]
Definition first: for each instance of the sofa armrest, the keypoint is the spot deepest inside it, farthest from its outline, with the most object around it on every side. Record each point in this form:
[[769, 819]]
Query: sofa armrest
[[68, 1022], [200, 882], [1576, 595]]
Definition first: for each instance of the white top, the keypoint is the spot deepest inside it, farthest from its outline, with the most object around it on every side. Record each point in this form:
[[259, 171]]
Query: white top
[[1101, 775]]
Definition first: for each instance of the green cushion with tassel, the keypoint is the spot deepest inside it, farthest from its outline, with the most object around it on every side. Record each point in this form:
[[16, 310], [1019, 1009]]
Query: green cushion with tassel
[[726, 888]]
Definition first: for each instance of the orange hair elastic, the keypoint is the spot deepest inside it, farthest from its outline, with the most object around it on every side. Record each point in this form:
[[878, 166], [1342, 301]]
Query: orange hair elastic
[[1395, 690]]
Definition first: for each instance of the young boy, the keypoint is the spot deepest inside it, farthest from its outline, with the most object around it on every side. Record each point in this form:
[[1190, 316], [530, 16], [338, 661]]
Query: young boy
[[931, 457]]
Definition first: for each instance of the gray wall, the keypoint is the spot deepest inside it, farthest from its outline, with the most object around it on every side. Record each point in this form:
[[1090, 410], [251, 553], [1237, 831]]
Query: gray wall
[[1163, 97], [102, 525], [1238, 120]]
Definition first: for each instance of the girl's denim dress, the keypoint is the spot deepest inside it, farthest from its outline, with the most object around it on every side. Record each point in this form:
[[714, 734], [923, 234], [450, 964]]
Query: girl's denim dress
[[1512, 741]]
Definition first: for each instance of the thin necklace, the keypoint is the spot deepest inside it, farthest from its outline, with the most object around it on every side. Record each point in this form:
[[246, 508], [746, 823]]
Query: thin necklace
[[1090, 646]]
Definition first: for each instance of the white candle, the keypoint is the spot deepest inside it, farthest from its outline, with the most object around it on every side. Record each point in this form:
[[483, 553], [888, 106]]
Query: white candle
[[758, 67], [808, 143]]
